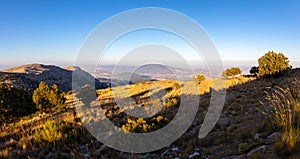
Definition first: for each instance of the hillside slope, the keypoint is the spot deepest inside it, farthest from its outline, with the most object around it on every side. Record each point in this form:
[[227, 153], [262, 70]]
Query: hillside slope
[[30, 75], [241, 132]]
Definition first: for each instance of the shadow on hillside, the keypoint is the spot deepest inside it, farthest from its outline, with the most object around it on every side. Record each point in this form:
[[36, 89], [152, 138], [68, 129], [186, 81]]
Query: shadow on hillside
[[240, 123]]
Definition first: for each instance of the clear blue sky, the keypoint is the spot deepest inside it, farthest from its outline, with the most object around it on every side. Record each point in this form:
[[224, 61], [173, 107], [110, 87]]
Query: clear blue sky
[[53, 30]]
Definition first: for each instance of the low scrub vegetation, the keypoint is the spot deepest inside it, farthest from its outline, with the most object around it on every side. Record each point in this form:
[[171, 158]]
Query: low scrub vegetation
[[140, 125], [170, 102], [56, 132]]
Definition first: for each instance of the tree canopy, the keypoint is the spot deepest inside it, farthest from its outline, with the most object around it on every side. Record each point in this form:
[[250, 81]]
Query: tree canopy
[[46, 98], [14, 102], [272, 63]]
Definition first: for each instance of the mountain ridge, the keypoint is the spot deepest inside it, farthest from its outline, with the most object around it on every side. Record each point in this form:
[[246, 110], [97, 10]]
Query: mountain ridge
[[28, 76]]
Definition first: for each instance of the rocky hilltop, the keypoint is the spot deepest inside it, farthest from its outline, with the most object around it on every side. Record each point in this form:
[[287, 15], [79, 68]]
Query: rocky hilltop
[[30, 75]]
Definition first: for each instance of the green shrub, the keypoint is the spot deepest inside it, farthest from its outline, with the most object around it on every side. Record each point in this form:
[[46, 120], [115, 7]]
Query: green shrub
[[170, 102], [140, 125], [54, 132], [232, 72], [157, 103], [272, 63], [46, 98]]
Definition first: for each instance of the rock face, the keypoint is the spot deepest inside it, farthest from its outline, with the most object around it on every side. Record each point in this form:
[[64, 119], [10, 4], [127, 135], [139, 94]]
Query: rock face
[[30, 75]]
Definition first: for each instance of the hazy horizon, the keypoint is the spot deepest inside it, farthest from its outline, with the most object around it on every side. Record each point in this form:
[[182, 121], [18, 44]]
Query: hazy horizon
[[193, 63]]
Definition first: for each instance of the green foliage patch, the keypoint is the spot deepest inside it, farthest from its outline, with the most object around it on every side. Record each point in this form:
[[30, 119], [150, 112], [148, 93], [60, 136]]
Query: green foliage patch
[[232, 72], [46, 98], [54, 132], [140, 125], [14, 102], [272, 63]]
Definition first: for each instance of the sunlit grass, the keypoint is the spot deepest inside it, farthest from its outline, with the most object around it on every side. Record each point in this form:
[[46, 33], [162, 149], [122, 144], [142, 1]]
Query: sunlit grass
[[284, 112]]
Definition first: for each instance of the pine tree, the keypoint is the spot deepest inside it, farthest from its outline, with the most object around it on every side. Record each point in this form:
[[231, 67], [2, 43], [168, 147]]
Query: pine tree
[[46, 98]]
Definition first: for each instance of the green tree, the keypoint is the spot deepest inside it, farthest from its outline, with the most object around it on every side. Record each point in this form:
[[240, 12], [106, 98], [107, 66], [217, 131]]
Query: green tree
[[46, 98], [14, 102], [232, 72], [272, 63], [56, 97]]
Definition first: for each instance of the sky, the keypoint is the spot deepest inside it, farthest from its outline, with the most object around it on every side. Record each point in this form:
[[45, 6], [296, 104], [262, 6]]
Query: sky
[[53, 31]]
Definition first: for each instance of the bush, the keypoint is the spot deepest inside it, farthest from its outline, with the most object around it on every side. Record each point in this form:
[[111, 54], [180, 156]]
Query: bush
[[170, 102], [272, 63], [14, 102], [140, 125], [284, 113], [54, 132], [200, 77], [46, 98], [232, 72]]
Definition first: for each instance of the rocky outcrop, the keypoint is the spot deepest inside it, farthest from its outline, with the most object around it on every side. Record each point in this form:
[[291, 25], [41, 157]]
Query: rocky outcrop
[[30, 75]]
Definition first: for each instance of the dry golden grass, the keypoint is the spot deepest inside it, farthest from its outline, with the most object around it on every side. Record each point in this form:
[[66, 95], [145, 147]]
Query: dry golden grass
[[148, 93], [146, 89], [284, 113]]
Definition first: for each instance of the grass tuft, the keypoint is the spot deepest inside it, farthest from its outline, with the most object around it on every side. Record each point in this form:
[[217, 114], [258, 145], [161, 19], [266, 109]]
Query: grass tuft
[[284, 113]]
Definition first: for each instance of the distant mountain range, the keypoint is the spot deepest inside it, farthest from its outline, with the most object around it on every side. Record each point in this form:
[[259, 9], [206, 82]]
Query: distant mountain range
[[30, 75]]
